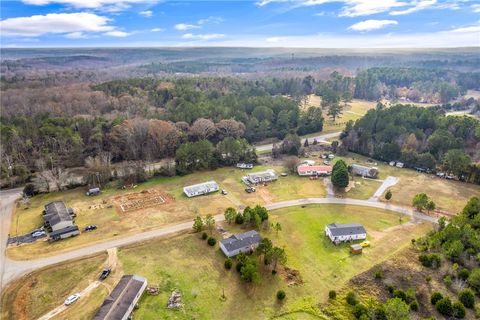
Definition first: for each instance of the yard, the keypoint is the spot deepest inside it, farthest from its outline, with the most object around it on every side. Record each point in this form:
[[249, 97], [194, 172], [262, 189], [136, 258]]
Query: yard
[[187, 263]]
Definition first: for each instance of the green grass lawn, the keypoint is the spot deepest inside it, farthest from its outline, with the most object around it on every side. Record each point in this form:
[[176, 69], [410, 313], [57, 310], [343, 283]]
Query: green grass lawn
[[187, 263]]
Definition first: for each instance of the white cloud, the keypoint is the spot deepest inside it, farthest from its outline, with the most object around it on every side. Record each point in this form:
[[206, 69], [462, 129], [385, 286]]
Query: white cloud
[[185, 26], [421, 5], [475, 8], [275, 39], [214, 20], [320, 14], [356, 8], [76, 35], [38, 25], [209, 36], [146, 13], [468, 30], [369, 25], [117, 33], [157, 30], [92, 4]]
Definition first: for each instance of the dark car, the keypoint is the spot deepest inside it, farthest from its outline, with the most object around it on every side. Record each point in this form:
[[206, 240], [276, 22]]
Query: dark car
[[105, 273], [250, 189], [90, 228]]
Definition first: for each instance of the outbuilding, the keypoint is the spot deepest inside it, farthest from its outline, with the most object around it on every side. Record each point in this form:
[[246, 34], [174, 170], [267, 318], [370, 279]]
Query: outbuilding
[[201, 189], [345, 232], [57, 216], [356, 249], [242, 242], [123, 298], [66, 232]]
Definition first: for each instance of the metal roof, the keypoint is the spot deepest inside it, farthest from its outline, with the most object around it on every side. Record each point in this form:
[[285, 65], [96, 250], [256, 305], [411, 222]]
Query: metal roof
[[204, 187], [121, 298], [241, 240], [346, 229], [56, 212], [63, 231]]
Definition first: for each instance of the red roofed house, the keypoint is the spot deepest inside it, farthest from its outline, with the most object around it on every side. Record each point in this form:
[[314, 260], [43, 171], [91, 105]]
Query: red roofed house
[[305, 170]]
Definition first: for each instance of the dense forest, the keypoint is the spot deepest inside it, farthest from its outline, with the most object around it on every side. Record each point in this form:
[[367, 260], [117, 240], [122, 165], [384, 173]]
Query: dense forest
[[419, 137]]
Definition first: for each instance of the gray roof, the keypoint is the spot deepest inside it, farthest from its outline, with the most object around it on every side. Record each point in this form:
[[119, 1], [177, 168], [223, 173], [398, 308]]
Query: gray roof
[[56, 212], [204, 187], [268, 174], [363, 170], [347, 229], [120, 299], [63, 231], [241, 240]]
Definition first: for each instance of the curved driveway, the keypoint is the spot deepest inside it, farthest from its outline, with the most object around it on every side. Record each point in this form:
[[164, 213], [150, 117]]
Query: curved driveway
[[16, 268]]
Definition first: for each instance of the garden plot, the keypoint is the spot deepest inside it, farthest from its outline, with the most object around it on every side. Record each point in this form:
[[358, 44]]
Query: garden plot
[[141, 200]]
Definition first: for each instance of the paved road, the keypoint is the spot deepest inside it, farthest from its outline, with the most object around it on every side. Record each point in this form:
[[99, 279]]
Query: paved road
[[15, 269], [387, 183], [7, 201], [322, 138]]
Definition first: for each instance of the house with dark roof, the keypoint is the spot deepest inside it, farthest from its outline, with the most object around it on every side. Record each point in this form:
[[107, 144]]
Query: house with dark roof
[[123, 298], [57, 216], [345, 232], [243, 242], [200, 189]]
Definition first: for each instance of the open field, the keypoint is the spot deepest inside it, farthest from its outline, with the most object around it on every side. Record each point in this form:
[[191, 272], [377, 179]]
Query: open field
[[36, 294], [112, 222], [187, 263], [448, 195]]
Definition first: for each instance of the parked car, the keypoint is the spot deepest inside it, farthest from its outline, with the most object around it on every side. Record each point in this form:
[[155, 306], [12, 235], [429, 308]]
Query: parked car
[[224, 192], [72, 299], [93, 192], [284, 174], [250, 189], [90, 228], [38, 233], [105, 273]]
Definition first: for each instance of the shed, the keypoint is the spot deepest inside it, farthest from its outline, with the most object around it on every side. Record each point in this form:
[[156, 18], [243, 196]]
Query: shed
[[356, 249], [63, 233]]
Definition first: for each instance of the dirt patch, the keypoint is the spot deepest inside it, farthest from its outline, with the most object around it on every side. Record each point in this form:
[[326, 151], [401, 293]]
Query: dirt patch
[[140, 200], [265, 194], [291, 276]]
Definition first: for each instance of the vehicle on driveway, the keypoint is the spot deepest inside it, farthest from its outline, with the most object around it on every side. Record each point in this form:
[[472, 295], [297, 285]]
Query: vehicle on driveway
[[38, 233], [90, 228], [250, 189], [71, 299], [105, 273]]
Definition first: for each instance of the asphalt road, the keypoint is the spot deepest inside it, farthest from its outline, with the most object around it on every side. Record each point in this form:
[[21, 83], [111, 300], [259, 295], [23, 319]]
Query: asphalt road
[[322, 138], [7, 201], [13, 269]]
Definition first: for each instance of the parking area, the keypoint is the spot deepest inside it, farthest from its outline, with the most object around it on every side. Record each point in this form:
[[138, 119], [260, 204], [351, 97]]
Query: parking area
[[27, 238]]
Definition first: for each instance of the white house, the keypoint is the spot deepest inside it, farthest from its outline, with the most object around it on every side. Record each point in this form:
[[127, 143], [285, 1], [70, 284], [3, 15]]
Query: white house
[[369, 172], [243, 242], [200, 189], [345, 232], [260, 177], [305, 170]]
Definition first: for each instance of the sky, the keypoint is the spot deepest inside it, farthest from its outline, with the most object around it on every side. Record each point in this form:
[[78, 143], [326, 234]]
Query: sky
[[256, 23]]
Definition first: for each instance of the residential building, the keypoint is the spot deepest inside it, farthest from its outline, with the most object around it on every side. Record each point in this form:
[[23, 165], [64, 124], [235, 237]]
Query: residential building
[[123, 298], [260, 177], [306, 170], [368, 172], [57, 216], [201, 189], [243, 242], [345, 232], [63, 233]]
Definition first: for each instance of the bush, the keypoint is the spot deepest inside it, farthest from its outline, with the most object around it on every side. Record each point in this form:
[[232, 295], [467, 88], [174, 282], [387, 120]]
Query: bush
[[332, 294], [351, 298], [436, 296], [458, 310], [379, 313], [29, 190], [431, 260], [228, 264], [211, 241], [467, 298], [239, 266], [204, 236], [359, 310], [399, 293], [444, 306], [239, 219], [281, 295], [390, 288], [463, 273], [378, 274], [414, 305], [447, 281]]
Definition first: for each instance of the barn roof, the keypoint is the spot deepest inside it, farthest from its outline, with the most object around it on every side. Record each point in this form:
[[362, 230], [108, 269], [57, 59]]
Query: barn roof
[[56, 212]]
